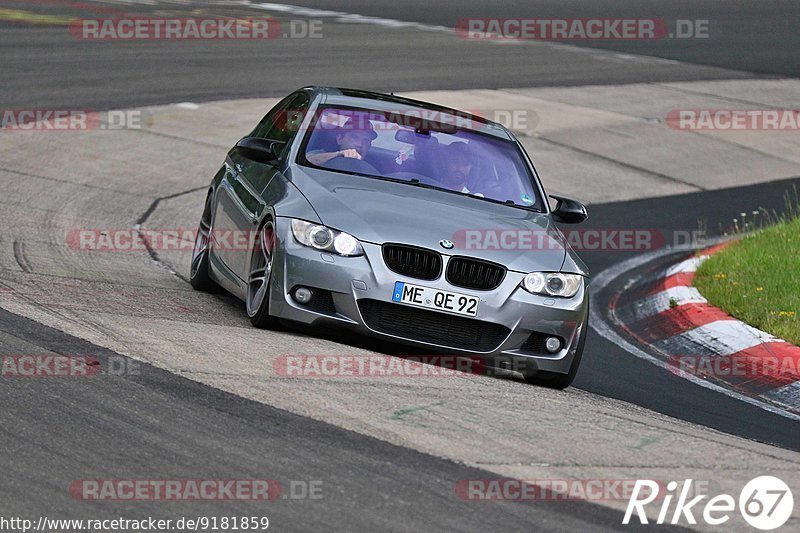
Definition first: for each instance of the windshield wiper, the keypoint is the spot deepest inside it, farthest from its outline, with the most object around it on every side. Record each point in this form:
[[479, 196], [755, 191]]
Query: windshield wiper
[[415, 182], [512, 203]]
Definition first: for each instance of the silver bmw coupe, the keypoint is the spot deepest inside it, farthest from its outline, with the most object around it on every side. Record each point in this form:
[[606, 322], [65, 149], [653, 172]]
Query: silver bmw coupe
[[400, 219]]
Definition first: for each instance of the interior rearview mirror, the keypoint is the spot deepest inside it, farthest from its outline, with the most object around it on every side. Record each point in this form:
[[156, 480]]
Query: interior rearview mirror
[[411, 137]]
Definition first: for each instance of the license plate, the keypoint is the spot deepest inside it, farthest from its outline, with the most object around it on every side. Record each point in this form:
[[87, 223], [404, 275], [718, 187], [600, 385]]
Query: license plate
[[419, 296]]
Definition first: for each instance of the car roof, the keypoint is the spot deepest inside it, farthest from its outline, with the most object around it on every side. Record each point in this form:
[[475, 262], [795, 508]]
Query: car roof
[[339, 96]]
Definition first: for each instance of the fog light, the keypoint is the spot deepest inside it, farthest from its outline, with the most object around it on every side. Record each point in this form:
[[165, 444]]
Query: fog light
[[302, 295], [553, 344]]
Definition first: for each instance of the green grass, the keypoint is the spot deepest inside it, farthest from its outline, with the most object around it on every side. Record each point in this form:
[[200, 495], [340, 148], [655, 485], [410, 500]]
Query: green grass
[[757, 279]]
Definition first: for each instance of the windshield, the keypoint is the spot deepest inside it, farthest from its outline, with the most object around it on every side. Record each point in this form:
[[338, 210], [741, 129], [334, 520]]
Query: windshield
[[434, 150]]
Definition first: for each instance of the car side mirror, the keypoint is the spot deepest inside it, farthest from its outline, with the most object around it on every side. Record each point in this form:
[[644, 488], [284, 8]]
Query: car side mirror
[[260, 150], [569, 211]]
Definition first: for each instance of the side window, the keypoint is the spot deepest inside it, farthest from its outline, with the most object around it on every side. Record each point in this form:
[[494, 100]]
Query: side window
[[269, 119], [283, 122]]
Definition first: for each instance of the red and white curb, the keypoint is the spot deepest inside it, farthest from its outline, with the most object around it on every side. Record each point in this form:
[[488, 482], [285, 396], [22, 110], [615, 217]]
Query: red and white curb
[[665, 313]]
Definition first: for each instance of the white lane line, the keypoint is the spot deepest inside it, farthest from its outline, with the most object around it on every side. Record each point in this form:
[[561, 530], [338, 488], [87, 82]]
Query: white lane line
[[689, 265], [786, 395], [659, 302], [679, 294], [606, 330], [723, 337], [349, 18]]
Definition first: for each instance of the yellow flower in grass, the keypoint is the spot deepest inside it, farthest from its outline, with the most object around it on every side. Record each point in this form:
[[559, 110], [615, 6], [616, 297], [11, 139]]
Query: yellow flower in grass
[[759, 289]]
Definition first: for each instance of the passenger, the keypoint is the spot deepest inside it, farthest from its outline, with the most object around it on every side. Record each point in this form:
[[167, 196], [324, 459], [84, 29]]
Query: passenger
[[458, 161], [427, 159]]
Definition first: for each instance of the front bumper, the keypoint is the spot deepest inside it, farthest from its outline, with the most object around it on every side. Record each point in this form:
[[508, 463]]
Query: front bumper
[[513, 317]]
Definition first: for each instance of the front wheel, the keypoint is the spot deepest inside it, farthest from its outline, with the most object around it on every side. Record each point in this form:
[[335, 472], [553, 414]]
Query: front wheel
[[258, 282]]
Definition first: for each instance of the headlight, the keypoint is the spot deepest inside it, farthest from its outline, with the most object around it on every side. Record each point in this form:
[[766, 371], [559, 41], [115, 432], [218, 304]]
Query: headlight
[[325, 239], [552, 284]]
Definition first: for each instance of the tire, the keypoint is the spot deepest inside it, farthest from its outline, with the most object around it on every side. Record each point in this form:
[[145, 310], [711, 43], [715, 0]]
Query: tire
[[554, 380], [258, 281], [199, 276]]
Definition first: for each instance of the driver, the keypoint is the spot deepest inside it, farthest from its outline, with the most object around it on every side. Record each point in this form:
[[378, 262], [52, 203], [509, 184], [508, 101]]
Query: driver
[[458, 161], [354, 142]]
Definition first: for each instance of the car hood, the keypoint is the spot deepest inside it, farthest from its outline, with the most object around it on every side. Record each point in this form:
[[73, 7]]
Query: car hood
[[379, 211]]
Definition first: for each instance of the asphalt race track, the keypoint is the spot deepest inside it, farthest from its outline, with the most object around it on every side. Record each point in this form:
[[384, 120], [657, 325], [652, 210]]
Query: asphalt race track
[[159, 422], [125, 74], [633, 381], [743, 35], [203, 401]]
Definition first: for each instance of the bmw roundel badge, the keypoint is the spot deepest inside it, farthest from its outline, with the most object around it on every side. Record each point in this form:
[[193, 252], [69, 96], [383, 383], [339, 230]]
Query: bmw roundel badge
[[447, 245]]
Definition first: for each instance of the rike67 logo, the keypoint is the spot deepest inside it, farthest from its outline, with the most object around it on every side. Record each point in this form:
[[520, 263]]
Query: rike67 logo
[[765, 503]]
